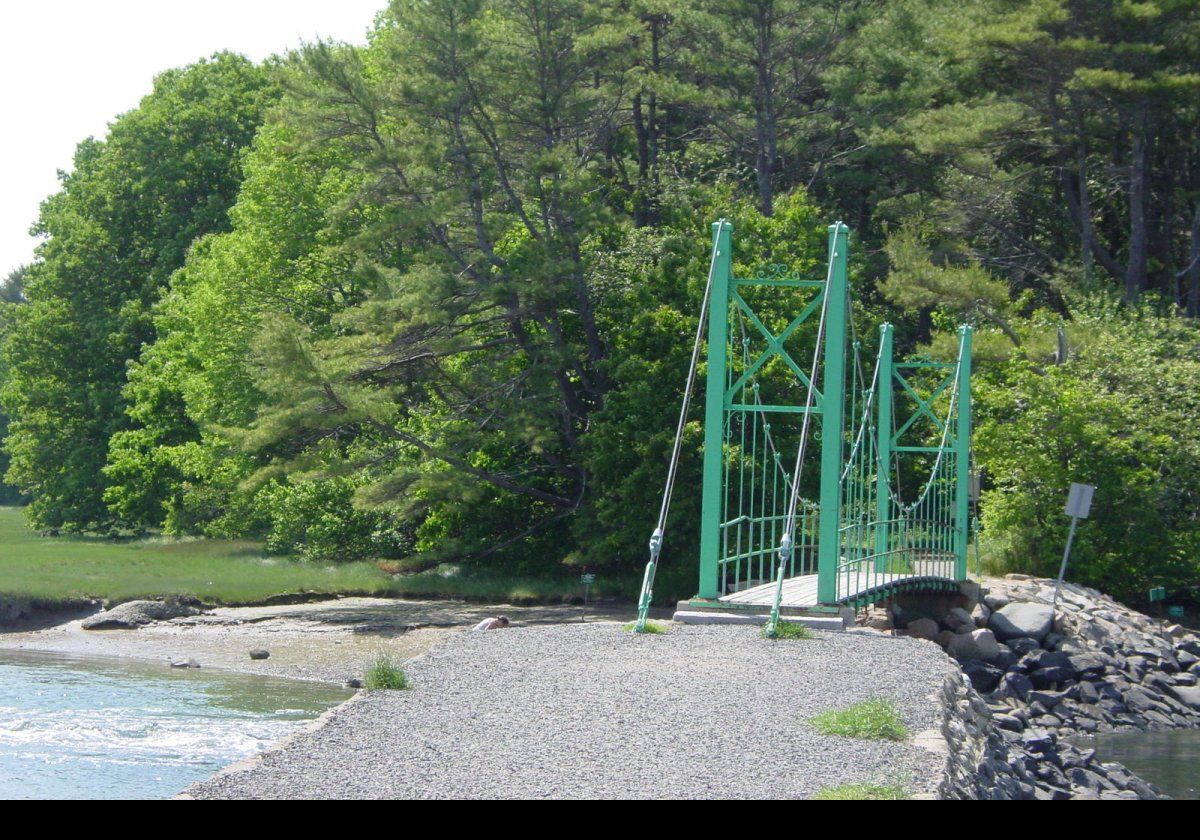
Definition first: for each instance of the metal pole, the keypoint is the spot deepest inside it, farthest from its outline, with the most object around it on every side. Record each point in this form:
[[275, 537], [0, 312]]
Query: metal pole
[[714, 412], [883, 452], [962, 456], [829, 553], [1062, 570]]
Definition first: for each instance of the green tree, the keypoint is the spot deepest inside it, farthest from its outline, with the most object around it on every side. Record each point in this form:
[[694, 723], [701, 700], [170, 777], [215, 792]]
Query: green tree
[[123, 221], [12, 294], [288, 253], [470, 375], [1119, 414]]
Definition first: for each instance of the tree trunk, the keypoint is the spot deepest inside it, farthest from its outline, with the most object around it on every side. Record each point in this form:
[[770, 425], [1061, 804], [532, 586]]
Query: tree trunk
[[641, 210], [1192, 272], [1086, 234], [1135, 269], [764, 107]]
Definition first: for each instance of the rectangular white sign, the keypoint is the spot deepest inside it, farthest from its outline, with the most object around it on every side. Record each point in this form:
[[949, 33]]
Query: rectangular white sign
[[1079, 500]]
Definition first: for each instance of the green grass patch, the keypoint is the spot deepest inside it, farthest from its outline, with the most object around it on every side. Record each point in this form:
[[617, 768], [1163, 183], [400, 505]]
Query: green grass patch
[[55, 570], [788, 630], [862, 790], [653, 628], [870, 720], [385, 674]]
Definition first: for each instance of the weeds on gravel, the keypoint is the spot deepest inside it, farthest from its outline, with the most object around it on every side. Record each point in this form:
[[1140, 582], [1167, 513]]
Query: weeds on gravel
[[863, 790], [870, 720], [654, 628], [787, 630], [384, 673]]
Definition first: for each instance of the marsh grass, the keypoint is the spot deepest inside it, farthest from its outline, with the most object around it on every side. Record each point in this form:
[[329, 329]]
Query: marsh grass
[[385, 674], [64, 569], [871, 720], [863, 791]]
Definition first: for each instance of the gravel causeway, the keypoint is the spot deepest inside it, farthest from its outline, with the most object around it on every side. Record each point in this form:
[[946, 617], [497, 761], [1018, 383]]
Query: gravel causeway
[[593, 711]]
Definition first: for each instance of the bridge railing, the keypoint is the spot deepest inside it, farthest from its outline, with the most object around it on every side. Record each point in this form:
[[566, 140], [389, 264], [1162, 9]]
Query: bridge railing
[[750, 544], [879, 554]]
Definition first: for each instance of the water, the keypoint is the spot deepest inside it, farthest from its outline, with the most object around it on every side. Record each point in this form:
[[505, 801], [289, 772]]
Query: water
[[1169, 760], [101, 729]]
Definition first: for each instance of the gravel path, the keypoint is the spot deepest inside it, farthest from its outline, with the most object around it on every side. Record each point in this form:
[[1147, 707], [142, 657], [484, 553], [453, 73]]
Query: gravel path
[[591, 711]]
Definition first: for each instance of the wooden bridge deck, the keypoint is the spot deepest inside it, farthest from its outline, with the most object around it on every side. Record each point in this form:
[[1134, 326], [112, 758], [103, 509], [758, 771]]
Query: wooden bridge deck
[[801, 591]]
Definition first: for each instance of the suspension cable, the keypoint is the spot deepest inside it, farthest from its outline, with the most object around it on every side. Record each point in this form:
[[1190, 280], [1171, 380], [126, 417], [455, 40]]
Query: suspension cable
[[656, 539], [673, 468]]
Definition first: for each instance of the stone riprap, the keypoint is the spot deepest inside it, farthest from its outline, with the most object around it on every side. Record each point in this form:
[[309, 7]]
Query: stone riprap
[[593, 711], [1046, 675]]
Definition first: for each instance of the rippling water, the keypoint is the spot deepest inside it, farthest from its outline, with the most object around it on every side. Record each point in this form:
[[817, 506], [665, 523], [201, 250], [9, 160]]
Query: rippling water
[[73, 728], [1169, 760]]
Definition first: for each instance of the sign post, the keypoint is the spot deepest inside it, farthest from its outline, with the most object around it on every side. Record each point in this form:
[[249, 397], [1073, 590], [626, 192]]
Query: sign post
[[587, 581], [1079, 505]]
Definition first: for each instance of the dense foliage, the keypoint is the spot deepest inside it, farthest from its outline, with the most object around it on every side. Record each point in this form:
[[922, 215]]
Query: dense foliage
[[431, 299]]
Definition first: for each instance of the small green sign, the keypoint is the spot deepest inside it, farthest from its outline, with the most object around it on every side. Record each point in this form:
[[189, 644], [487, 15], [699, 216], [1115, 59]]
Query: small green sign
[[587, 580], [1158, 593], [1176, 612]]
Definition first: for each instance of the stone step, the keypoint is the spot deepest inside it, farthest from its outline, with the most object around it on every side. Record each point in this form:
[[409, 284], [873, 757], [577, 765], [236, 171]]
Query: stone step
[[755, 609], [831, 623]]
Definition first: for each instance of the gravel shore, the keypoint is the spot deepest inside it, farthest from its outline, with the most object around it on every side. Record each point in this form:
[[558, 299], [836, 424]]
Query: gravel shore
[[326, 641], [592, 711]]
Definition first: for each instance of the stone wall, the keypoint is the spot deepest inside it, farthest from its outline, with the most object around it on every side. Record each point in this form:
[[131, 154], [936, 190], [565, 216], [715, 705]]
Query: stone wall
[[1035, 675], [979, 764], [986, 762]]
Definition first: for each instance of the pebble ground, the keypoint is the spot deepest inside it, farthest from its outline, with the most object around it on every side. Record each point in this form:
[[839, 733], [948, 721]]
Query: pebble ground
[[593, 711]]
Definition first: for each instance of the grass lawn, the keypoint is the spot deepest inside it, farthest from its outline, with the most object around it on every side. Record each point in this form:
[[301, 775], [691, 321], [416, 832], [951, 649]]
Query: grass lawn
[[58, 569]]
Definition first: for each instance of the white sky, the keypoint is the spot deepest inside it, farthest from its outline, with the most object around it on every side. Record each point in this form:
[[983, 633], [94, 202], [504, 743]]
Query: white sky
[[68, 67]]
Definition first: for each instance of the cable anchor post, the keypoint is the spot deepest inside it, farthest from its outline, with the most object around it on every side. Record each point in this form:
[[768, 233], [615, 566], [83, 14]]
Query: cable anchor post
[[656, 542], [785, 553]]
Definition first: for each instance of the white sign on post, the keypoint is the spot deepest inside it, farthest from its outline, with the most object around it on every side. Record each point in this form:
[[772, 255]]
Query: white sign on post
[[1079, 501], [1079, 505]]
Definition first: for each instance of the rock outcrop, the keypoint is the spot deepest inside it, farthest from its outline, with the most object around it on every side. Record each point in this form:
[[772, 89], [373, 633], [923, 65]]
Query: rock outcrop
[[134, 614]]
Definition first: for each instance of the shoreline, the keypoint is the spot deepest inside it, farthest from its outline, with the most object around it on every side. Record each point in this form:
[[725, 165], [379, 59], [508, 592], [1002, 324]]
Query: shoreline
[[329, 641], [332, 641]]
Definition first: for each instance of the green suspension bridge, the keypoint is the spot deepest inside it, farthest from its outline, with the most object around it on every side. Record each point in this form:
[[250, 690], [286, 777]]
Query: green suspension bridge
[[831, 479]]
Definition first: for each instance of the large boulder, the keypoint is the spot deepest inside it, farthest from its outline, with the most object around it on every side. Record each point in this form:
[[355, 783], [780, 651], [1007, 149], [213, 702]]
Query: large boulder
[[1022, 619], [923, 628], [979, 644], [959, 620], [984, 677], [1188, 695], [134, 614]]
